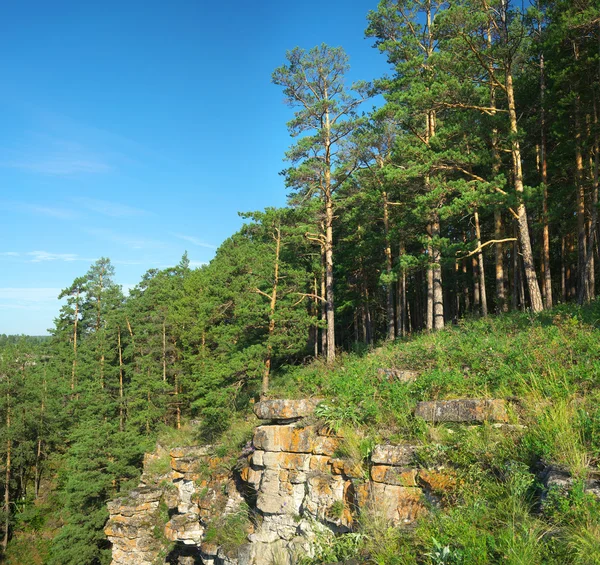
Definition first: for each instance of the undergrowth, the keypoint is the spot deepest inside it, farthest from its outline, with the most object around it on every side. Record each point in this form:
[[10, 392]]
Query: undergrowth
[[548, 367]]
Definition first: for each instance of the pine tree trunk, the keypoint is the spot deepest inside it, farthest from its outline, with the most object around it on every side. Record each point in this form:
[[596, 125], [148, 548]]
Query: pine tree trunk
[[466, 296], [502, 304], [121, 394], [389, 269], [516, 273], [401, 299], [430, 306], [368, 315], [466, 283], [524, 239], [572, 268], [476, 285], [329, 282], [583, 294], [323, 307], [588, 269], [438, 293], [484, 308], [316, 312], [272, 306], [544, 170], [409, 318], [328, 196], [563, 268], [457, 311]]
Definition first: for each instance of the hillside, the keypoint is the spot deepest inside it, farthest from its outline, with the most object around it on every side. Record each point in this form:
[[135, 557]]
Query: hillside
[[521, 492], [432, 279]]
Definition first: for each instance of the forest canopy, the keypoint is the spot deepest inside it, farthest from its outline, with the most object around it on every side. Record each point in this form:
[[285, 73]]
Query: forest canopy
[[473, 189]]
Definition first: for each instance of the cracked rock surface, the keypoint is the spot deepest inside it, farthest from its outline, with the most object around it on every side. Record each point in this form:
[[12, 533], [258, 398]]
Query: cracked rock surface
[[290, 479]]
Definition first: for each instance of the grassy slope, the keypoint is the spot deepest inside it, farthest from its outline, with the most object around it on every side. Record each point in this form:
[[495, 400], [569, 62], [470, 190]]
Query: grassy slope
[[549, 365], [492, 514]]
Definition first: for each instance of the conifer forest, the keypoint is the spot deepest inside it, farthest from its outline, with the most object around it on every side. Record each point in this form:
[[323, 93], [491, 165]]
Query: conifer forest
[[461, 186]]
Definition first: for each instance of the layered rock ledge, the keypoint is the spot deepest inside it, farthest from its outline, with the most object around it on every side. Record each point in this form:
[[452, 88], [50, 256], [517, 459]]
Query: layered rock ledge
[[463, 410], [289, 485]]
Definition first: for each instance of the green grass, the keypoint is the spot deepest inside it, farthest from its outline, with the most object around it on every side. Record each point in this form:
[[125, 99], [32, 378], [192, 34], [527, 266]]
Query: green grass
[[548, 367], [229, 531]]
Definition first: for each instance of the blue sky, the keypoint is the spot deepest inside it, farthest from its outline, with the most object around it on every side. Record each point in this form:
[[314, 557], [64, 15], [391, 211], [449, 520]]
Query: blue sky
[[137, 129]]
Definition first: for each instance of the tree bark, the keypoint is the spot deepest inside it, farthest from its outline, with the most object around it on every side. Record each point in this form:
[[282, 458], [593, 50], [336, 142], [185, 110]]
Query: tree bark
[[429, 321], [583, 294], [563, 268], [323, 307], [272, 306], [438, 295], [316, 312], [588, 274], [484, 308], [535, 295], [121, 394], [544, 174], [389, 270], [328, 194], [502, 304], [401, 299]]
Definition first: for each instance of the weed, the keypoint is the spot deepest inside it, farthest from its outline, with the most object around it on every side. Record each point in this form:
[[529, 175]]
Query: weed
[[329, 548], [556, 434], [443, 554], [158, 465], [337, 509], [230, 530]]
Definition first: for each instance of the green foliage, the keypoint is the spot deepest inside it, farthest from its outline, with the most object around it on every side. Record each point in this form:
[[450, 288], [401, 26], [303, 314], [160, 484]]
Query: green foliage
[[443, 555], [229, 531], [329, 548], [396, 193]]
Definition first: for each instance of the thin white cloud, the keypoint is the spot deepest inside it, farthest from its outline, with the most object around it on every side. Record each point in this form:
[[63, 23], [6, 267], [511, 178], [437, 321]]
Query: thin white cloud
[[58, 165], [62, 213], [51, 155], [39, 210], [38, 300], [39, 256], [112, 209], [41, 294], [127, 262], [133, 242], [9, 254], [194, 240]]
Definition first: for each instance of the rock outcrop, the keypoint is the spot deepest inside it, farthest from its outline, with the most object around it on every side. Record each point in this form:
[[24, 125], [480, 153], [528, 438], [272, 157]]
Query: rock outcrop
[[286, 487], [131, 528], [462, 410]]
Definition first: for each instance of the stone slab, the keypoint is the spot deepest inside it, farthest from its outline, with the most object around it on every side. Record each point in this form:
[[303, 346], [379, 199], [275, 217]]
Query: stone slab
[[281, 409], [463, 410], [401, 375], [293, 439], [397, 455]]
